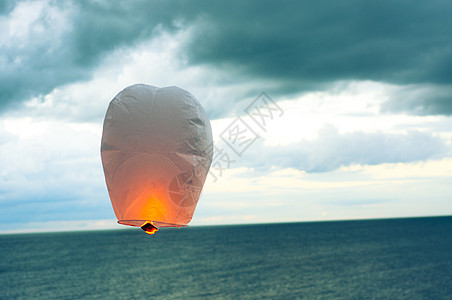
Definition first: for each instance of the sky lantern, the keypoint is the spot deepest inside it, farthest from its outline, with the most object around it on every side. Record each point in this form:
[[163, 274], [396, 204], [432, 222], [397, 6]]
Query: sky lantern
[[156, 153]]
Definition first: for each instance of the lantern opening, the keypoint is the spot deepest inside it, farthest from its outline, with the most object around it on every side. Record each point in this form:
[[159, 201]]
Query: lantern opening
[[149, 228]]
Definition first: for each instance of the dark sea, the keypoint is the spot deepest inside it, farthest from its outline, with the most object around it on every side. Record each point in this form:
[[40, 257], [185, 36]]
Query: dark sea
[[372, 259]]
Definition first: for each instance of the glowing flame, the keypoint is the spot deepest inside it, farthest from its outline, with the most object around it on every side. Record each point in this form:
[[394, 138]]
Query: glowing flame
[[149, 228]]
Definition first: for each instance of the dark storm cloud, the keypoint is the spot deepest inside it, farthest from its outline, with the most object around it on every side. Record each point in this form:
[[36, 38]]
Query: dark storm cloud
[[421, 100], [401, 42], [397, 41], [51, 58], [6, 6], [299, 44], [100, 28]]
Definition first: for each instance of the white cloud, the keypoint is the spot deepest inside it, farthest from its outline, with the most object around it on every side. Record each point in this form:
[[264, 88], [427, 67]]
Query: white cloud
[[51, 169], [54, 226], [350, 106], [355, 192], [33, 22]]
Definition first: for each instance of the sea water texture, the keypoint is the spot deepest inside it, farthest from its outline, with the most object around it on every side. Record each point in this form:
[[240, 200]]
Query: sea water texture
[[372, 259]]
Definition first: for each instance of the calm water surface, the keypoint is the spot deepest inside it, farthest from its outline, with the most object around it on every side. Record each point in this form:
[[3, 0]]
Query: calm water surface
[[372, 259]]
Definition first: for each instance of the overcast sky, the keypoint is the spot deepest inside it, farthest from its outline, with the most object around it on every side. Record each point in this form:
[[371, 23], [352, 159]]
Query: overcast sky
[[361, 95]]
